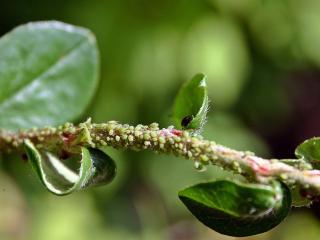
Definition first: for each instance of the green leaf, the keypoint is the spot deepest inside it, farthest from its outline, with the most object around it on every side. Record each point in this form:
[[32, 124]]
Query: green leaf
[[309, 151], [191, 104], [48, 74], [96, 168], [238, 209]]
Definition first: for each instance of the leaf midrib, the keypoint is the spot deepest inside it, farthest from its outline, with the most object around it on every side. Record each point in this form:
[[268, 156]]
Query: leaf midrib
[[39, 77]]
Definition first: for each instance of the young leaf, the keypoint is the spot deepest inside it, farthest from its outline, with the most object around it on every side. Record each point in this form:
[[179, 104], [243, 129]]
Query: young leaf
[[48, 74], [309, 151], [191, 104], [238, 209], [96, 168]]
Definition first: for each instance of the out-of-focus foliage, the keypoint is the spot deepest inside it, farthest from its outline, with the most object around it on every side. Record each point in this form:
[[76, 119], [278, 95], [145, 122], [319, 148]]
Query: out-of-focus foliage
[[210, 47], [262, 59]]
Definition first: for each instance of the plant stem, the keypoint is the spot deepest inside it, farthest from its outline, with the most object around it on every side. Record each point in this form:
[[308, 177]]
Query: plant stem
[[166, 140]]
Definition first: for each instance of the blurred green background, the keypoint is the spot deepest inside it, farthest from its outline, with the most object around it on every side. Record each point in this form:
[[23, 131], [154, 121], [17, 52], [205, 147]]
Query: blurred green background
[[262, 59]]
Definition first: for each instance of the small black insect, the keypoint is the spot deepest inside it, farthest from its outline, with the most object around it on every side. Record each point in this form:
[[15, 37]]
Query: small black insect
[[186, 121]]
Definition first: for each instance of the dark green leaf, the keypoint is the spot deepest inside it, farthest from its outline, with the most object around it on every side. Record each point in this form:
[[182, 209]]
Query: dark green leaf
[[191, 104], [238, 209], [309, 151], [48, 74], [96, 168]]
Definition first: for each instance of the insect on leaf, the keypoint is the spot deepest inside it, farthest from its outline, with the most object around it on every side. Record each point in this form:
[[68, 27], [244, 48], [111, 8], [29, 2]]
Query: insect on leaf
[[191, 104]]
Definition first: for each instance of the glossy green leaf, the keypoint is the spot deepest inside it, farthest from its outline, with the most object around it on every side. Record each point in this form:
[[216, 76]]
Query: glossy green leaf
[[309, 151], [48, 74], [96, 168], [238, 209], [191, 104]]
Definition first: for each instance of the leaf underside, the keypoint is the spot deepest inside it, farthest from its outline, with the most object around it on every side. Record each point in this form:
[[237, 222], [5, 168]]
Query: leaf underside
[[92, 167]]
